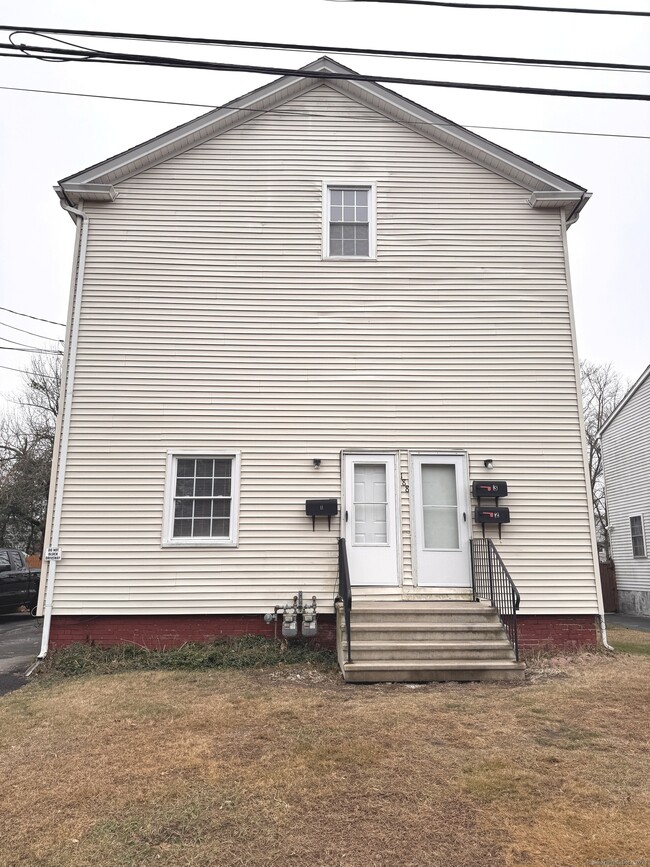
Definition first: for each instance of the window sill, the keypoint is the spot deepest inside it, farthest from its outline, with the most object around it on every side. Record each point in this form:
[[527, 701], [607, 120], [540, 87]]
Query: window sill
[[360, 260], [199, 543]]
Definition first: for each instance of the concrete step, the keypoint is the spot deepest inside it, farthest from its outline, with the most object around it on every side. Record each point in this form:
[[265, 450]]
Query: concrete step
[[422, 612], [421, 671], [430, 650], [448, 631]]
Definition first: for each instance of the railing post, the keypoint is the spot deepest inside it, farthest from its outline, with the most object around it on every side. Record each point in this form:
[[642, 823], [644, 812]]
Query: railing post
[[490, 572], [473, 567], [514, 624]]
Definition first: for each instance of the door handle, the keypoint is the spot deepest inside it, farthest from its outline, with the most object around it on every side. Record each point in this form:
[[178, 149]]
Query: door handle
[[465, 517], [346, 516]]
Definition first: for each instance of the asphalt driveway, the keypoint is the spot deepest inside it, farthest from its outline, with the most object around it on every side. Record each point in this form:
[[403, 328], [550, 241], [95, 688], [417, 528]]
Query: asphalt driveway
[[20, 641]]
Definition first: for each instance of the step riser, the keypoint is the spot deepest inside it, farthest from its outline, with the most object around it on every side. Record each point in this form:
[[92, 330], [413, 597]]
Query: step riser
[[362, 655], [424, 619], [415, 675], [360, 633]]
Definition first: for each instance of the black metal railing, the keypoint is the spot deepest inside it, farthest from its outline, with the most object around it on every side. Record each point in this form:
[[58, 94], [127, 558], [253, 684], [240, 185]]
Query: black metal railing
[[345, 591], [491, 581]]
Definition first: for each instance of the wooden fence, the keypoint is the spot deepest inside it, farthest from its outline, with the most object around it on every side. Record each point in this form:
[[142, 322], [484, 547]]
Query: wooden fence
[[608, 584]]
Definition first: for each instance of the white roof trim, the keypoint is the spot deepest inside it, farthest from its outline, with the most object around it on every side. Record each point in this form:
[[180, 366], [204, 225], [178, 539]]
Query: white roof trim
[[427, 123], [633, 390], [88, 192]]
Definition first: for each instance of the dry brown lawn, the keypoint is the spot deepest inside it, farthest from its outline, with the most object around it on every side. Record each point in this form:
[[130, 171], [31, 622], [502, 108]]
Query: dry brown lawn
[[291, 766]]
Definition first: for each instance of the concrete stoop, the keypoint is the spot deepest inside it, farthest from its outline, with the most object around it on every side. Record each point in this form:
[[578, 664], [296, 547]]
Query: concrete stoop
[[411, 642]]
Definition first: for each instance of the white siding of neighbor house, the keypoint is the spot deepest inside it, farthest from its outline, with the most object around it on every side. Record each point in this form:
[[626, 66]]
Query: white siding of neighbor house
[[626, 457], [210, 322]]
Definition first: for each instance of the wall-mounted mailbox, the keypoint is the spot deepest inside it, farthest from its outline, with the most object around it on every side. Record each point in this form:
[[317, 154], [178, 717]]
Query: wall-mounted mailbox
[[488, 488], [322, 508], [494, 515]]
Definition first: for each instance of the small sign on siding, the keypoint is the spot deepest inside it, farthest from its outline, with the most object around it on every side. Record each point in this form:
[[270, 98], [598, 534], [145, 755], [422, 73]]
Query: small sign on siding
[[53, 554]]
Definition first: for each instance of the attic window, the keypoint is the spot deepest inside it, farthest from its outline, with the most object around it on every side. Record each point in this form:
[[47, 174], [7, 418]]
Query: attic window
[[349, 224]]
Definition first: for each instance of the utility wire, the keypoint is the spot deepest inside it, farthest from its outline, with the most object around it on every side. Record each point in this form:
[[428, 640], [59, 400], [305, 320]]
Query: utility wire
[[304, 113], [180, 63], [24, 345], [33, 333], [511, 8], [39, 351], [331, 49], [28, 372], [29, 316]]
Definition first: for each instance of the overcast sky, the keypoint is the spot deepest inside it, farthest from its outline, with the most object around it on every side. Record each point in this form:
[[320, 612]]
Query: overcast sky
[[47, 137]]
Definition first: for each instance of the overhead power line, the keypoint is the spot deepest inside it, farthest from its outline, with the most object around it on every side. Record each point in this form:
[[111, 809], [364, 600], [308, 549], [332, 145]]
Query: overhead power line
[[511, 7], [307, 113], [29, 316], [28, 372], [94, 56], [331, 49], [24, 345], [38, 351], [32, 333]]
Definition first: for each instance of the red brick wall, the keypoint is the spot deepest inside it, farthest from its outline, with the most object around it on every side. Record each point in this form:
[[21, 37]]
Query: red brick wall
[[157, 631], [536, 632], [556, 632]]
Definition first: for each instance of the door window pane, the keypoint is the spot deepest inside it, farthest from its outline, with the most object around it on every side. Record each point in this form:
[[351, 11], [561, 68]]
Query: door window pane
[[370, 505], [439, 506]]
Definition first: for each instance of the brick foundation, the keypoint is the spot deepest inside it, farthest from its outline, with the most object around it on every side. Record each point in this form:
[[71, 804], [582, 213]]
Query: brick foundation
[[536, 632], [158, 631], [539, 632]]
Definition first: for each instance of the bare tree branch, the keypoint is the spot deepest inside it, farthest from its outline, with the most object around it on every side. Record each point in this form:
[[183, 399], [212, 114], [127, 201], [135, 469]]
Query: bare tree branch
[[26, 444], [602, 390]]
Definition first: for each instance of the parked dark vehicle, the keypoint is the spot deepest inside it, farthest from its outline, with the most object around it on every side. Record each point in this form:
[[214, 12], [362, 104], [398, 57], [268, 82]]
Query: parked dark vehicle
[[18, 583]]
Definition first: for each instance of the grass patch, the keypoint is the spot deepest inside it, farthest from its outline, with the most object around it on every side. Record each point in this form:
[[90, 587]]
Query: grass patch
[[268, 765], [633, 641], [232, 653]]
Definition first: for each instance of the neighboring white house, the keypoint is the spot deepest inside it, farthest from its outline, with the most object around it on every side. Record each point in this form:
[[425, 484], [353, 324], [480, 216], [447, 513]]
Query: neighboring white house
[[625, 441], [323, 290]]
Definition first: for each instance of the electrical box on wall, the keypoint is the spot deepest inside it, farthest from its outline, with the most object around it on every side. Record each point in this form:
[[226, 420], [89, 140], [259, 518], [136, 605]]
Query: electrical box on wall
[[492, 515], [488, 488], [326, 508]]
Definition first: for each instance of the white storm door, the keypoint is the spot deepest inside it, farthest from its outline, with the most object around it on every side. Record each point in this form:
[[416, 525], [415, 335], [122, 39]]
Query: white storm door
[[371, 519], [441, 521]]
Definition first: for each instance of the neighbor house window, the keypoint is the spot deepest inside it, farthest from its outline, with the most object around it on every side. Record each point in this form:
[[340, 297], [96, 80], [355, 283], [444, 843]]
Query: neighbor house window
[[349, 222], [638, 536], [202, 499]]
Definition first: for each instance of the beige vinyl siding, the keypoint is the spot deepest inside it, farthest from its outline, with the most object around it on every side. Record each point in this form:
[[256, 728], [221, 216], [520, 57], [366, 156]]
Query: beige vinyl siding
[[210, 322], [626, 456]]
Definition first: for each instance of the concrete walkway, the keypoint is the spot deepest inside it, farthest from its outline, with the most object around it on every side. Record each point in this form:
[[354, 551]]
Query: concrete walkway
[[628, 621], [20, 641]]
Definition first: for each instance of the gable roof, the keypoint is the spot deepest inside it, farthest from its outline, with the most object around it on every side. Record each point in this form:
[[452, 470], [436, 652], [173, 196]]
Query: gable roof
[[548, 190], [633, 390]]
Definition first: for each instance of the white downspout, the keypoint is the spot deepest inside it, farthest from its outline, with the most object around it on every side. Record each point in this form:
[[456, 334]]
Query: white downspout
[[603, 632], [65, 426]]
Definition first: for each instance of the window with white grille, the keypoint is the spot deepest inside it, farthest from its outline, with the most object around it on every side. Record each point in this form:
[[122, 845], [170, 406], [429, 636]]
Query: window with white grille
[[202, 495], [638, 536], [349, 224]]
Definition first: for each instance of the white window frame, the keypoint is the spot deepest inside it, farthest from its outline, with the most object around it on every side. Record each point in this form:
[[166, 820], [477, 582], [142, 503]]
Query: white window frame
[[355, 184], [643, 539], [168, 540]]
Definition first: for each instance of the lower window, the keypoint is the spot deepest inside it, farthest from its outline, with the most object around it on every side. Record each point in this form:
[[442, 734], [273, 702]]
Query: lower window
[[202, 492], [638, 536]]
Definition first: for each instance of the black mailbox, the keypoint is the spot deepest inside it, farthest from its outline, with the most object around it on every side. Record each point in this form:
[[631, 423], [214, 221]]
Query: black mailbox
[[325, 508], [488, 488], [492, 515]]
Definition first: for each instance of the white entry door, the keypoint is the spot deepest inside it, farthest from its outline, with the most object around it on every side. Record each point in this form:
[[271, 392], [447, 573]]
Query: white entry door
[[441, 521], [371, 530]]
